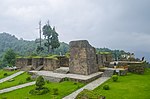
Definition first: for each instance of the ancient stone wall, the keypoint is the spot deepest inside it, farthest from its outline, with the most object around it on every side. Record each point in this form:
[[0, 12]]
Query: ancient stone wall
[[22, 62], [51, 64], [104, 59], [36, 62], [99, 60], [63, 61], [109, 58], [82, 58]]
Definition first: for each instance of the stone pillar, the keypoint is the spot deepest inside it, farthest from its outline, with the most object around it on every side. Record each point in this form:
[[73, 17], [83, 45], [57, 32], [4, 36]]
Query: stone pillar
[[82, 58], [51, 64]]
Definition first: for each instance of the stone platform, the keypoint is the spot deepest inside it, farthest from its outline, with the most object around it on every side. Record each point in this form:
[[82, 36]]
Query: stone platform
[[119, 71], [58, 77], [62, 70]]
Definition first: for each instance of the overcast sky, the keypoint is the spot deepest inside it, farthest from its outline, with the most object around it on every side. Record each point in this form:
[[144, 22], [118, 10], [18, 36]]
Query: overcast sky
[[116, 24]]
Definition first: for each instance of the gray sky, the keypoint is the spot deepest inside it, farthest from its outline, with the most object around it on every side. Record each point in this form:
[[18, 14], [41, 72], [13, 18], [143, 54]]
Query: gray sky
[[116, 24]]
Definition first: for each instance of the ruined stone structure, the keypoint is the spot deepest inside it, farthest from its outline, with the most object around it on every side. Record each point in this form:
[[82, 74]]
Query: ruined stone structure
[[51, 64], [36, 62], [22, 62], [82, 58], [104, 59], [42, 63], [63, 61]]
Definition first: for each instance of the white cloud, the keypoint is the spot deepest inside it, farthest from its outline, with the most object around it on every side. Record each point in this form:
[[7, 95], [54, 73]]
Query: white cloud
[[115, 24]]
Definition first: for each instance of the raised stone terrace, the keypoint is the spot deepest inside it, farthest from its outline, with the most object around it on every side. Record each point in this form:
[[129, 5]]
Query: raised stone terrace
[[58, 77]]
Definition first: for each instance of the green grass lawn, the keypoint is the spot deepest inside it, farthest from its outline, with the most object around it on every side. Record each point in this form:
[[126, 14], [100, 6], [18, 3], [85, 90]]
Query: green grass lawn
[[8, 72], [17, 80], [132, 86], [64, 88]]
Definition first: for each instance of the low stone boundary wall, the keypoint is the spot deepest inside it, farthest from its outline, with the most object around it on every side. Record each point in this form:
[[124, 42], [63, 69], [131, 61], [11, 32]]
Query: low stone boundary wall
[[51, 64], [22, 62]]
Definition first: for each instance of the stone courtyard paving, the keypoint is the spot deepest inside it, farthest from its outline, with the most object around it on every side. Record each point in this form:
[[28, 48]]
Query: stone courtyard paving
[[89, 86], [11, 76]]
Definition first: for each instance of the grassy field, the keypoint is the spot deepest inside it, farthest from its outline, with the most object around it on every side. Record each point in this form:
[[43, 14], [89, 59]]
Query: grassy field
[[4, 71], [17, 80], [132, 86], [64, 88]]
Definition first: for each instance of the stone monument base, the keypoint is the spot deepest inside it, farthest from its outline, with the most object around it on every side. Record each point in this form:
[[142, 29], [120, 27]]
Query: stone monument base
[[58, 77]]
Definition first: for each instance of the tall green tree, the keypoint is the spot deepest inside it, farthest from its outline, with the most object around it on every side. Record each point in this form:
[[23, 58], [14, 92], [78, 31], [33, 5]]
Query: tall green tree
[[51, 37], [9, 58], [54, 40]]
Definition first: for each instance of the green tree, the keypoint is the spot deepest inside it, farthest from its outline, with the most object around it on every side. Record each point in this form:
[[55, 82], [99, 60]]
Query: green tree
[[40, 82], [54, 40], [51, 37], [9, 57]]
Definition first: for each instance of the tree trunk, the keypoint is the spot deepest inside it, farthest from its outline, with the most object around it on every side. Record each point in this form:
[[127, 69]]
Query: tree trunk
[[48, 46]]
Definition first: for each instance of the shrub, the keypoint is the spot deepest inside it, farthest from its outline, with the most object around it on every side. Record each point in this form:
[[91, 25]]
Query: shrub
[[106, 87], [28, 79], [88, 94], [55, 91], [66, 79], [5, 74], [20, 82], [39, 92], [47, 81], [115, 78], [40, 83], [39, 89]]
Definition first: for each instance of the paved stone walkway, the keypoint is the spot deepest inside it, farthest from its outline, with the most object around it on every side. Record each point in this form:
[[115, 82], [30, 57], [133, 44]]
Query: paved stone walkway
[[11, 76], [16, 87], [89, 86]]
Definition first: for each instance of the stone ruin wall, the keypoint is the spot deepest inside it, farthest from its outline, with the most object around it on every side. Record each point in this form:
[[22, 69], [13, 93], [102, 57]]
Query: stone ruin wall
[[63, 61], [104, 59], [82, 58], [23, 62], [36, 62], [51, 64]]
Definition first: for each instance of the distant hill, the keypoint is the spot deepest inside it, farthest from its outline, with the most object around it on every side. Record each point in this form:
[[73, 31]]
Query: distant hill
[[24, 47]]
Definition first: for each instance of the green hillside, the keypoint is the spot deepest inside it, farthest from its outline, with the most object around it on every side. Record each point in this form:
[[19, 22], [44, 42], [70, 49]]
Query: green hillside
[[24, 47]]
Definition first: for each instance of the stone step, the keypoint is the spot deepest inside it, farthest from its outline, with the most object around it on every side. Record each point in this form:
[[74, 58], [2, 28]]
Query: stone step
[[62, 70], [48, 78], [108, 73], [39, 68], [53, 79]]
